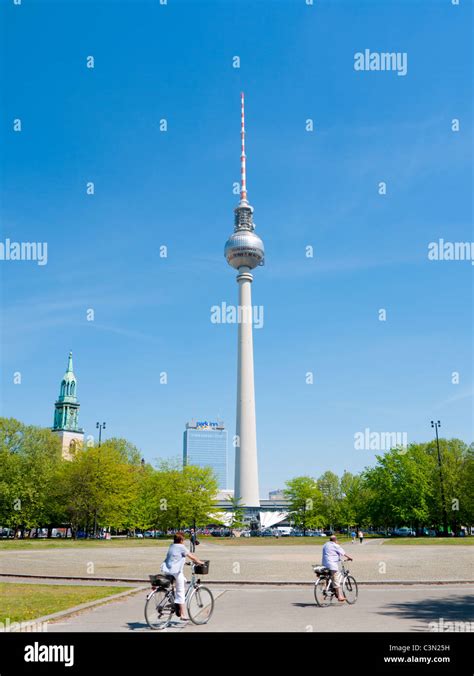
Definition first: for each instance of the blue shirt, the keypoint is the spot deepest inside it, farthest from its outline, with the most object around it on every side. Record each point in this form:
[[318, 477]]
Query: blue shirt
[[175, 559], [332, 554]]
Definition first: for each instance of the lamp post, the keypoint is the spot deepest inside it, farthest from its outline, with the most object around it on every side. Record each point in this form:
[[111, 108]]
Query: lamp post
[[436, 425], [100, 427]]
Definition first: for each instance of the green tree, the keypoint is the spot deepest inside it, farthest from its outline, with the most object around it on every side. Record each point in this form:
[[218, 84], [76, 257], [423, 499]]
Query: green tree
[[400, 487], [200, 488], [237, 511], [455, 459], [171, 508], [466, 489], [99, 486], [353, 508], [143, 509], [305, 502], [31, 463], [329, 486]]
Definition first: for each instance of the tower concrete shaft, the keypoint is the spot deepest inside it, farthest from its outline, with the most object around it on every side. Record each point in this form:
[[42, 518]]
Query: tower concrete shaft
[[246, 466], [244, 251]]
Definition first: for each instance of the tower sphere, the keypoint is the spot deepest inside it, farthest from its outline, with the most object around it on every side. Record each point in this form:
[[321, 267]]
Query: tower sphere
[[244, 249]]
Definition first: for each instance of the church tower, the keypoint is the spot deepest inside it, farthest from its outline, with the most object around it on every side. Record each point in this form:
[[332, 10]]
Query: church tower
[[66, 414]]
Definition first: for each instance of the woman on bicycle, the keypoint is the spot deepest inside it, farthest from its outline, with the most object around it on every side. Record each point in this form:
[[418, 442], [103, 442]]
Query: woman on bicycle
[[174, 564]]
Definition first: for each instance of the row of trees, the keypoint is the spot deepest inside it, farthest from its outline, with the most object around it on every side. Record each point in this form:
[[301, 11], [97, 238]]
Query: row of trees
[[102, 486], [109, 486], [405, 487]]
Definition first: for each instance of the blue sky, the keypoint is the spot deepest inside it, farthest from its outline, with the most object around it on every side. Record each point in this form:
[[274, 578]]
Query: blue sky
[[174, 188]]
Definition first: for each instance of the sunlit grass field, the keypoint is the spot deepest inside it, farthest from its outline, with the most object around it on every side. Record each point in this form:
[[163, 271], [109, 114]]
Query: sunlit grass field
[[22, 602], [62, 543], [450, 541]]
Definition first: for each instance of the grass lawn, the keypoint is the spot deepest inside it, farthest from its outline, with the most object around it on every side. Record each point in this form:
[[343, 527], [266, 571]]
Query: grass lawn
[[62, 543], [256, 542], [23, 602], [450, 541]]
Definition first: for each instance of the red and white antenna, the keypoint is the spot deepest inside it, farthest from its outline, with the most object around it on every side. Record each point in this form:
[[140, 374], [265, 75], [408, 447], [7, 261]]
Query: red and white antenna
[[243, 174]]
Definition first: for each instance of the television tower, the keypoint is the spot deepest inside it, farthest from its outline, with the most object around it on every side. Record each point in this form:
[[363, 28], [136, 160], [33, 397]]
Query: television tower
[[244, 251]]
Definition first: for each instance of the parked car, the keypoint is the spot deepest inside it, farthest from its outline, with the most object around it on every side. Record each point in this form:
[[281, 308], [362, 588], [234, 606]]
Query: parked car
[[285, 531], [430, 532], [245, 534], [403, 532], [223, 533]]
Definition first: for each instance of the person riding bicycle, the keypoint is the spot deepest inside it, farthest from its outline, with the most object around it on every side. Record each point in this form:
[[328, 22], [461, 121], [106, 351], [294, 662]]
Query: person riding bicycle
[[332, 554], [174, 564]]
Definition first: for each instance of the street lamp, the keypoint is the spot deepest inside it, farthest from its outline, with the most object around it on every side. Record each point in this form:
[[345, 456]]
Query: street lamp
[[100, 428], [436, 425]]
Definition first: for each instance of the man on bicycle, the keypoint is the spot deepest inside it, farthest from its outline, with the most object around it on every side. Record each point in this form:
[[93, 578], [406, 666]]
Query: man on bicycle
[[173, 565], [332, 554]]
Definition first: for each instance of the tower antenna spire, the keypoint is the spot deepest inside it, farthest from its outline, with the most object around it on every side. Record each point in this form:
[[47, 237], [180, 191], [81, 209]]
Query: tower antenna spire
[[243, 171]]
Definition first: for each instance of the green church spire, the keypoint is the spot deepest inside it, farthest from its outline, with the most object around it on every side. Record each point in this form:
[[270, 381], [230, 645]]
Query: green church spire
[[67, 406]]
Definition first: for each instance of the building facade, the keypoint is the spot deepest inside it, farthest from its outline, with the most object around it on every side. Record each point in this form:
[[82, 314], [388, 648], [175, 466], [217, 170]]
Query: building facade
[[66, 414], [278, 494], [205, 445]]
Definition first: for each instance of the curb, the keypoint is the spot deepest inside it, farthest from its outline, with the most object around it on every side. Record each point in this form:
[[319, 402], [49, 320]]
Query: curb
[[258, 583], [84, 606]]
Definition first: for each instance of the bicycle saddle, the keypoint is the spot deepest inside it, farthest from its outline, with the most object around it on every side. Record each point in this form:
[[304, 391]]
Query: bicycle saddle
[[161, 580], [321, 570]]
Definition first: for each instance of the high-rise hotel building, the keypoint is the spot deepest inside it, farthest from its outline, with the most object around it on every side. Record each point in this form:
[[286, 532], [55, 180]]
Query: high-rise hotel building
[[205, 445]]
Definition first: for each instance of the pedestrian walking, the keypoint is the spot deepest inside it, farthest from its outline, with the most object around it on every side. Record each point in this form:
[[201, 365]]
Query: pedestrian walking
[[360, 535], [353, 534]]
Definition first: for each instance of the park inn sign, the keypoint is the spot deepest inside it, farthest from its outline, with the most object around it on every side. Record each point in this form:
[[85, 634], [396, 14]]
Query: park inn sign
[[204, 425]]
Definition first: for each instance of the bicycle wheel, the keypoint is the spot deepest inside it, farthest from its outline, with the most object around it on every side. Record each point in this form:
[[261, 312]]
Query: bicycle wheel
[[200, 605], [158, 609], [322, 596], [349, 589]]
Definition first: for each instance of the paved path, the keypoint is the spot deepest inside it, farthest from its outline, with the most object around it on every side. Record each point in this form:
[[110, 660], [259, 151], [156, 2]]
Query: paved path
[[277, 609], [273, 563]]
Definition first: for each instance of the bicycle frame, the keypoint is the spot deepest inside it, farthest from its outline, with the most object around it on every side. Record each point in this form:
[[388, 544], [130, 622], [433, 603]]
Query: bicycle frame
[[330, 588], [170, 595], [161, 602]]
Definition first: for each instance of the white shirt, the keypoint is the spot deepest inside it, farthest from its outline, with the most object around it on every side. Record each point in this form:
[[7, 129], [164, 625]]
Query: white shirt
[[332, 554]]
